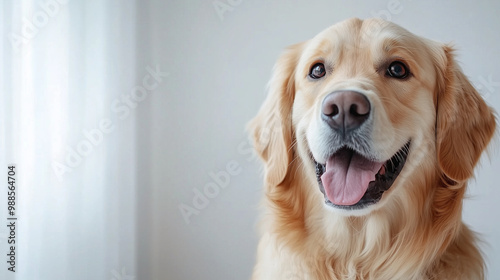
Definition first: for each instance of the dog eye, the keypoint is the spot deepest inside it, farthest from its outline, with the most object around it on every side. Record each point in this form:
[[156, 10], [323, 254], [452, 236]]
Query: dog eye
[[398, 70], [317, 71]]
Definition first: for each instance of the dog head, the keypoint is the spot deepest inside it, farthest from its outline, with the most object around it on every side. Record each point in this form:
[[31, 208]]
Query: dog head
[[364, 108]]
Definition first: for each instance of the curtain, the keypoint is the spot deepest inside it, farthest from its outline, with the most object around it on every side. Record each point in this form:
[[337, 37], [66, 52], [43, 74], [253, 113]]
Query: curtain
[[71, 89]]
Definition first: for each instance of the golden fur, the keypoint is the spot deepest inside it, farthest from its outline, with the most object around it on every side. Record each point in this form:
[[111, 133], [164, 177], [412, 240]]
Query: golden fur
[[416, 230]]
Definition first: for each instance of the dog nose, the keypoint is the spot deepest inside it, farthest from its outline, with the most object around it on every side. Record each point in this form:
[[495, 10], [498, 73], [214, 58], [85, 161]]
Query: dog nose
[[345, 110]]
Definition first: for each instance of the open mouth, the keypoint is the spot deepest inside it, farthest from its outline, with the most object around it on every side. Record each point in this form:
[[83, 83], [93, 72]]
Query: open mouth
[[350, 181]]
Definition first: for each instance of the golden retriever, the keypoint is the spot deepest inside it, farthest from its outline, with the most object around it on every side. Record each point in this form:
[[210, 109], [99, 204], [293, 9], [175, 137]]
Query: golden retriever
[[368, 136]]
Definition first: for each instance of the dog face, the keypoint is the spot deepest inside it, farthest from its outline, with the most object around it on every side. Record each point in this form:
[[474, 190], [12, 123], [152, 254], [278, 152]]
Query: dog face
[[365, 108]]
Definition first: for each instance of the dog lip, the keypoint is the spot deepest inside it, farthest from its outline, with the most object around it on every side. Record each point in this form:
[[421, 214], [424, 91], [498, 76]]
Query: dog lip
[[383, 182]]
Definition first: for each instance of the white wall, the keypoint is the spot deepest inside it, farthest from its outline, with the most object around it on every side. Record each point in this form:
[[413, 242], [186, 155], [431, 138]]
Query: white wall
[[218, 71]]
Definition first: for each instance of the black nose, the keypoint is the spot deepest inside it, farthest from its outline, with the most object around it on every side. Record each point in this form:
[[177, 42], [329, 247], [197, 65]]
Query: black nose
[[345, 111]]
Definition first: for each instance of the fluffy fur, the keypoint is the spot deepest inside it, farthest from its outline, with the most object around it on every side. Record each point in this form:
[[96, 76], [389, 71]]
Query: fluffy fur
[[416, 230]]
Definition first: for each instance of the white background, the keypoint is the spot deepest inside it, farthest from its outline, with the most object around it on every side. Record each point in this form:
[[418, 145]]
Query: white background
[[116, 214]]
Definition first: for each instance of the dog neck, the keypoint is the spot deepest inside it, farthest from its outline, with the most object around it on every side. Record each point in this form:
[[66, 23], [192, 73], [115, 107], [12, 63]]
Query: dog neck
[[386, 239]]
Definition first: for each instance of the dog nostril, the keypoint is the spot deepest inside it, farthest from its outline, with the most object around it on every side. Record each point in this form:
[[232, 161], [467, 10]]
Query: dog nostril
[[335, 110], [354, 110], [359, 109], [331, 110]]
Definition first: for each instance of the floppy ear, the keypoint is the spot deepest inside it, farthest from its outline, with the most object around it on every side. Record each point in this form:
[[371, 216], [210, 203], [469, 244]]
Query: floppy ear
[[271, 129], [464, 125]]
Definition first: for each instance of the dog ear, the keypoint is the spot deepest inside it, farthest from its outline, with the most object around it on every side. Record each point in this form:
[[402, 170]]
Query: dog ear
[[464, 124], [271, 129]]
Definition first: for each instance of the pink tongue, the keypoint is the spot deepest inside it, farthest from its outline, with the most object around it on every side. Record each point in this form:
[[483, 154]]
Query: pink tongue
[[347, 177]]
